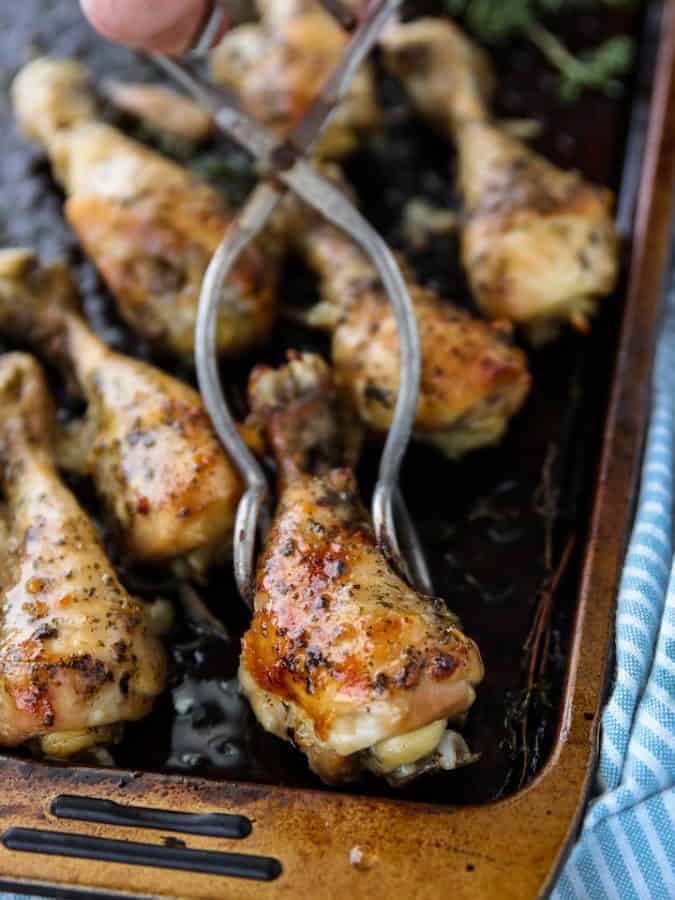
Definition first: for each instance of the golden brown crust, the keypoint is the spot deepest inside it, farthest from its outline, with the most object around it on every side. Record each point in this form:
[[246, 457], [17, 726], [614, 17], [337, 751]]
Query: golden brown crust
[[161, 109], [334, 627], [146, 440], [159, 465], [76, 651], [538, 244], [153, 251], [473, 378], [341, 653], [278, 67], [149, 226]]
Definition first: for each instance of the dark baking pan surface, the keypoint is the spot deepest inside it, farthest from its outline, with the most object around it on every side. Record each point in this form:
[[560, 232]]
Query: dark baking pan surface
[[495, 524]]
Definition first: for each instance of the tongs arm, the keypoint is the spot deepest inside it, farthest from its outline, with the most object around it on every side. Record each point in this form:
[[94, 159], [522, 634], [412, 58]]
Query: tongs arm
[[285, 162], [252, 514]]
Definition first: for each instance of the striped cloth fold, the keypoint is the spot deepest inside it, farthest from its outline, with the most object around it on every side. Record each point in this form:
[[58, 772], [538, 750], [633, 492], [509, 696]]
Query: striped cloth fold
[[626, 849]]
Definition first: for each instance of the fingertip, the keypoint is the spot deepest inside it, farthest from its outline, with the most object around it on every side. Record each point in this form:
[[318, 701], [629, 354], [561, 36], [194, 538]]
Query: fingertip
[[167, 27], [106, 17]]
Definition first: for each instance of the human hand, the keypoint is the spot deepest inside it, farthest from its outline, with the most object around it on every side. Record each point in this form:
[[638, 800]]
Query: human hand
[[165, 26]]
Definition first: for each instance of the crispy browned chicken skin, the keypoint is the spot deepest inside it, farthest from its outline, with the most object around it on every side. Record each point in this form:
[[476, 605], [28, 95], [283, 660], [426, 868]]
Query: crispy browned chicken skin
[[161, 109], [148, 224], [146, 441], [278, 66], [539, 244], [473, 378], [77, 655], [342, 657]]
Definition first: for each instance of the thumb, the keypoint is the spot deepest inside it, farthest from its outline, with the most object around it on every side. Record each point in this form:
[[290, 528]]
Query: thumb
[[166, 26]]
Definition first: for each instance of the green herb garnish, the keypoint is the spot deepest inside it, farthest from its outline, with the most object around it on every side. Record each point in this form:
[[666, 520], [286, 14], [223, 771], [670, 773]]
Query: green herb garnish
[[598, 68]]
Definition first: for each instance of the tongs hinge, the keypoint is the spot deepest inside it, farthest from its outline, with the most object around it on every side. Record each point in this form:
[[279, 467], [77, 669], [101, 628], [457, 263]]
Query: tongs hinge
[[285, 160]]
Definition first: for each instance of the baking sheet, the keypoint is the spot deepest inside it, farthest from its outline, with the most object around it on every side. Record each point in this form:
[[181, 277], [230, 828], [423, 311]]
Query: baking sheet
[[485, 520]]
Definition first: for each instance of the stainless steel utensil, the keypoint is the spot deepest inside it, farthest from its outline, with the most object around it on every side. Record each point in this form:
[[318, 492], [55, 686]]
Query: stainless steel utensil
[[284, 165]]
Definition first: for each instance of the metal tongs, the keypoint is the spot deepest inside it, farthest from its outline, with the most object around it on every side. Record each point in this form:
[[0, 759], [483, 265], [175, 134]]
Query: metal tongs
[[284, 166]]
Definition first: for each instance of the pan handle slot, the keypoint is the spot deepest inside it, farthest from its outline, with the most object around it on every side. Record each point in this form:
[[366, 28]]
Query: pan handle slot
[[94, 809], [81, 846]]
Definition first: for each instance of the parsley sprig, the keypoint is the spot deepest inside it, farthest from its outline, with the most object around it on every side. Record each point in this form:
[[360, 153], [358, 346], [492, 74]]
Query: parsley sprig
[[599, 68]]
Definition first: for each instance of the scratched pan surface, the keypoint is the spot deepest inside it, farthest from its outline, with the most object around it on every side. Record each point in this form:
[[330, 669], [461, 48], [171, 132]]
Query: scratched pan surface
[[485, 520]]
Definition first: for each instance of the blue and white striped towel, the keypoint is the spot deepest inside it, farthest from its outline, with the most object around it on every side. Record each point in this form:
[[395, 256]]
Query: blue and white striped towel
[[626, 849]]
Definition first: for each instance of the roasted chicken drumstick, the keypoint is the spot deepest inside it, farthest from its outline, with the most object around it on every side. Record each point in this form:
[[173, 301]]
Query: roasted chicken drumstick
[[77, 655], [278, 66], [473, 378], [539, 244], [146, 440], [150, 227], [342, 657], [161, 109]]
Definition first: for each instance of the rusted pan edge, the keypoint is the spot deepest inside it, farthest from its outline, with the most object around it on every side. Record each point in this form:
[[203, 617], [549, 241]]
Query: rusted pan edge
[[591, 656]]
